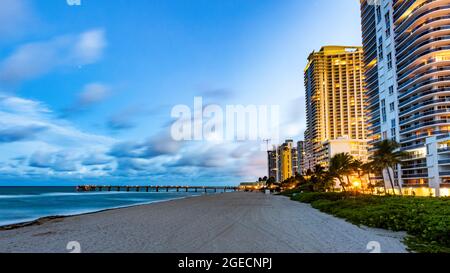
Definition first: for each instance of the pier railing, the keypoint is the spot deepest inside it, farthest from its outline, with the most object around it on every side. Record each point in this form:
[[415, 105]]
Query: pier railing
[[90, 188]]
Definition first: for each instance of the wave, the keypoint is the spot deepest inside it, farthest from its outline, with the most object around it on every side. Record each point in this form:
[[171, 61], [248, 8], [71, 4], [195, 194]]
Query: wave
[[62, 194], [87, 210]]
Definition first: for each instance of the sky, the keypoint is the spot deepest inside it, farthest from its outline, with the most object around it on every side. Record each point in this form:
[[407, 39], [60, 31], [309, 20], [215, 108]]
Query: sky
[[86, 91]]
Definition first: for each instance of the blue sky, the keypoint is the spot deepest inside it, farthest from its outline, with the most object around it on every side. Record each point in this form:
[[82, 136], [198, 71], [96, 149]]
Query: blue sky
[[86, 91]]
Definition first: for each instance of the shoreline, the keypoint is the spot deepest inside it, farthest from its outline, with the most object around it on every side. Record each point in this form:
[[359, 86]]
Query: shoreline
[[42, 220], [220, 223]]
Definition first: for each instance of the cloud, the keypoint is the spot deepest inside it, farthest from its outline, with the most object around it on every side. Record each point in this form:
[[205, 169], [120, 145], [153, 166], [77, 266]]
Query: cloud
[[15, 16], [41, 160], [124, 119], [57, 150], [96, 159], [17, 133], [127, 117], [157, 146], [29, 129], [58, 162], [210, 156], [91, 95], [39, 58], [22, 106]]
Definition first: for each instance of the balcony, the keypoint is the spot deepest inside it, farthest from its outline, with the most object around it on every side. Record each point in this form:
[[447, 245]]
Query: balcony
[[425, 124], [417, 175], [423, 115], [444, 150], [444, 162], [414, 166]]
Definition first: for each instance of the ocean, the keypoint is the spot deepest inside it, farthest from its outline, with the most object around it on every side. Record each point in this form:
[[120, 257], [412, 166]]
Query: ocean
[[24, 204]]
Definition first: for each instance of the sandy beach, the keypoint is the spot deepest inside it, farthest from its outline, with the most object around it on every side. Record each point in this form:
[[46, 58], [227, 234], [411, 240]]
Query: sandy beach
[[224, 223]]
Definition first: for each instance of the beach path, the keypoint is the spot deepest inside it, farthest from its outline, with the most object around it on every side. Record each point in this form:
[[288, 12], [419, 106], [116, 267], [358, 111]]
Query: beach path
[[231, 223]]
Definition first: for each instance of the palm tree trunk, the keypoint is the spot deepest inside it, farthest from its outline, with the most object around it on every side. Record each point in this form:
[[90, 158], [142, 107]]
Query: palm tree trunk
[[390, 180], [370, 183], [360, 179], [400, 188], [348, 181], [342, 184]]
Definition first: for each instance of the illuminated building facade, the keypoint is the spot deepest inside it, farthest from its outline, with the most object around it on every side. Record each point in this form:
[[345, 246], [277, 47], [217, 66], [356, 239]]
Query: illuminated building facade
[[412, 95], [283, 161], [334, 85]]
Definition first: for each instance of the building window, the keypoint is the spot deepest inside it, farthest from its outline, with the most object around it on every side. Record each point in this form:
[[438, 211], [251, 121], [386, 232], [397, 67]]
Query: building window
[[393, 133], [378, 13], [389, 61], [393, 123], [391, 90], [392, 106], [387, 18], [380, 49], [385, 135], [383, 111]]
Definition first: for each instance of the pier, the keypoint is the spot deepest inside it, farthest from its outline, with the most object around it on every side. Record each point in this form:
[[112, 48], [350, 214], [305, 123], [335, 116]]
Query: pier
[[204, 189]]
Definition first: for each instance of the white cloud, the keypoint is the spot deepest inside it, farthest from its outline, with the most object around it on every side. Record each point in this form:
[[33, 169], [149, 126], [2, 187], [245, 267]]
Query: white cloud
[[35, 59], [52, 148], [15, 15], [93, 93], [89, 47], [32, 131]]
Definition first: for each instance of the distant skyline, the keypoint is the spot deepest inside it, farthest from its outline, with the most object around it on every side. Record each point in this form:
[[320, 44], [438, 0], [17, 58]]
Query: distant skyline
[[86, 91]]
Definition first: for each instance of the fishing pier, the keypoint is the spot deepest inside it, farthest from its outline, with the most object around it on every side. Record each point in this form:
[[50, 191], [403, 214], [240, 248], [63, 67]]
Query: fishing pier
[[204, 189]]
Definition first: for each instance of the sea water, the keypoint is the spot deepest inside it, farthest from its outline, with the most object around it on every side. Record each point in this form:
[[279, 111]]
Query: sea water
[[24, 204]]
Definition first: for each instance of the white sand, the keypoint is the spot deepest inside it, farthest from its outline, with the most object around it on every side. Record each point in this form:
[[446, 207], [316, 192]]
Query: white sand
[[230, 223]]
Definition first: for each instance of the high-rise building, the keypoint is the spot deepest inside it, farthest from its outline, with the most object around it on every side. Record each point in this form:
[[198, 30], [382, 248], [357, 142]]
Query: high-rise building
[[273, 164], [283, 161], [381, 88], [409, 98], [301, 156], [334, 83]]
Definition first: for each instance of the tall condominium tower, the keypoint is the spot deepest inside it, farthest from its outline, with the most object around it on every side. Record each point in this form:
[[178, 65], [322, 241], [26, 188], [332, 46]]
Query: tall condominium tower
[[334, 83], [411, 93], [301, 156], [283, 161]]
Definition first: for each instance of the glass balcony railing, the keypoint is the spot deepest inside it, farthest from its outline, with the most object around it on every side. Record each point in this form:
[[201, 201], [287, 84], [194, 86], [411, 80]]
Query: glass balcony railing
[[408, 60], [423, 115], [428, 123], [418, 76], [404, 46], [403, 103]]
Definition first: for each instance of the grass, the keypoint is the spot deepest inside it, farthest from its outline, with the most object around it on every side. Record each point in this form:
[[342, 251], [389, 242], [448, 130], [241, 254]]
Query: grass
[[426, 220]]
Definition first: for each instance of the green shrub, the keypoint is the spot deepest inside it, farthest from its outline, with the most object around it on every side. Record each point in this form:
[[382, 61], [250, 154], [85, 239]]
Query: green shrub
[[310, 197], [427, 220]]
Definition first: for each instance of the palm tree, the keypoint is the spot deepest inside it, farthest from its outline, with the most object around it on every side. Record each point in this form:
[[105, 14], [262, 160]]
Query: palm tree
[[368, 169], [387, 155], [357, 167], [341, 165], [321, 178]]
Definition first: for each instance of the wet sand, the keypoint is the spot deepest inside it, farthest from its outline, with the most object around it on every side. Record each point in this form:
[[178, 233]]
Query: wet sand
[[223, 223]]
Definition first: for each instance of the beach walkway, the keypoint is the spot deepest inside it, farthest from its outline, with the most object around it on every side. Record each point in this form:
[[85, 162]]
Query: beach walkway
[[231, 223]]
